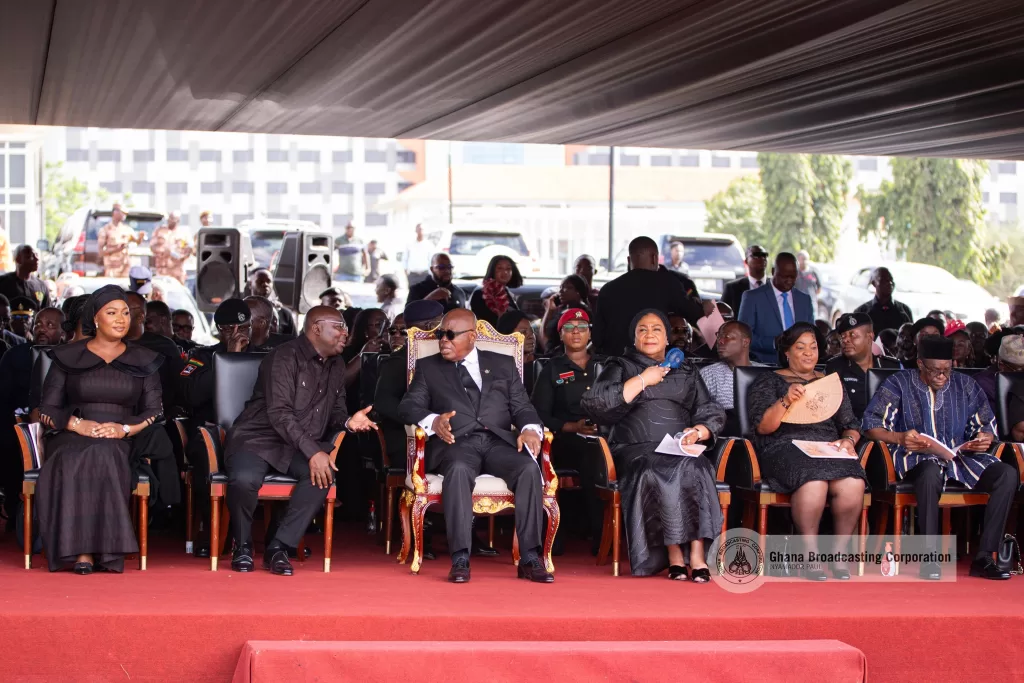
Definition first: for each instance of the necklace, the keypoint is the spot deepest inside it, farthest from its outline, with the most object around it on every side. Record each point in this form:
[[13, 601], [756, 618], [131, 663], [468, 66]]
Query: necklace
[[799, 376]]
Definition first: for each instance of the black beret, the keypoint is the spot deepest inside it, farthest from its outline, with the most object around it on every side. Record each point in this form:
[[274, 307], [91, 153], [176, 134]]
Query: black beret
[[928, 322], [848, 321], [22, 304], [232, 312], [935, 348]]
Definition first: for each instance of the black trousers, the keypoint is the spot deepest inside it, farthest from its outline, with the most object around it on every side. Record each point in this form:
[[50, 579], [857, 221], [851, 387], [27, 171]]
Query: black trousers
[[999, 480], [483, 453], [245, 477]]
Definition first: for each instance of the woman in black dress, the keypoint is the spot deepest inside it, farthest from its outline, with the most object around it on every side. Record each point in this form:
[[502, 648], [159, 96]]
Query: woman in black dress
[[98, 394], [669, 500], [493, 298], [809, 481]]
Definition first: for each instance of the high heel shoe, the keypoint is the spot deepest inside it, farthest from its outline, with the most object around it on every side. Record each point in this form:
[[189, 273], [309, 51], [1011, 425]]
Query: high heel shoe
[[82, 568], [701, 575], [678, 573]]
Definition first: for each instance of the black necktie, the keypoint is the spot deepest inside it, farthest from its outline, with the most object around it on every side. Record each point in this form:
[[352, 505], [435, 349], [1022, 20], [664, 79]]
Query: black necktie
[[472, 390]]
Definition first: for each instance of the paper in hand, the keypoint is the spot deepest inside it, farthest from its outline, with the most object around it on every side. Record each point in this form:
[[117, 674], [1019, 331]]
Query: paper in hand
[[670, 446], [822, 449], [709, 326], [932, 441]]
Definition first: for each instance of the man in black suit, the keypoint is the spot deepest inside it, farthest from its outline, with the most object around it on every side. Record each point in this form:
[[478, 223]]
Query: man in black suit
[[439, 287], [466, 400], [757, 265]]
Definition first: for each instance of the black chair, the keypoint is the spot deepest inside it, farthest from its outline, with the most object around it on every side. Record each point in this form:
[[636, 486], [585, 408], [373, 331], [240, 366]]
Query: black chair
[[236, 375], [390, 475], [1008, 383], [898, 494], [756, 494]]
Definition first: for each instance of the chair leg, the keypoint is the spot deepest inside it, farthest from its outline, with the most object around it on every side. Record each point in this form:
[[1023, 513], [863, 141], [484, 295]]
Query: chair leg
[[389, 520], [188, 513], [616, 531], [404, 516], [897, 531], [143, 530], [490, 531], [762, 526], [515, 549], [863, 539], [606, 535], [419, 511], [26, 528], [214, 532], [328, 535], [947, 527], [554, 515], [725, 518]]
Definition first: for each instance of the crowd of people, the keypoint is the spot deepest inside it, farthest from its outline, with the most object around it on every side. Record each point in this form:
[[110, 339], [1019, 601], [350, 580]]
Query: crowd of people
[[121, 365]]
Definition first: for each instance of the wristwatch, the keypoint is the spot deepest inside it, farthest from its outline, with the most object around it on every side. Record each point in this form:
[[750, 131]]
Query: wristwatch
[[126, 429]]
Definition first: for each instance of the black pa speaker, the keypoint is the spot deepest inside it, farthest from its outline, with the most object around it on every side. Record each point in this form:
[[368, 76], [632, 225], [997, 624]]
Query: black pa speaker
[[224, 256], [304, 268]]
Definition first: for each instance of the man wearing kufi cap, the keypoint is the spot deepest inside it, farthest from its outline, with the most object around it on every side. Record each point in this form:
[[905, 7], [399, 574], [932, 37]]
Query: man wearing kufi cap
[[856, 334], [196, 389], [951, 408]]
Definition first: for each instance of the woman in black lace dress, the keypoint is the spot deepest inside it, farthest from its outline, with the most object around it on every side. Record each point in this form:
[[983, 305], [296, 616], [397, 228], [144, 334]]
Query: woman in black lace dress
[[811, 482], [669, 501]]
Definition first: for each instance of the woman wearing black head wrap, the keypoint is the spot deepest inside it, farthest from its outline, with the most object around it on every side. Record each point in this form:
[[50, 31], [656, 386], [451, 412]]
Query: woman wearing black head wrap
[[98, 394], [670, 502]]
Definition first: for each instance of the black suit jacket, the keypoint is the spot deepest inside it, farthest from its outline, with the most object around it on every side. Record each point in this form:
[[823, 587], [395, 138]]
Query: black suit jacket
[[436, 388], [733, 293]]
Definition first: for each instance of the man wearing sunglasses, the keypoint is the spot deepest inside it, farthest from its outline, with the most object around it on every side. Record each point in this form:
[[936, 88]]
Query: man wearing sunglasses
[[438, 286], [466, 400]]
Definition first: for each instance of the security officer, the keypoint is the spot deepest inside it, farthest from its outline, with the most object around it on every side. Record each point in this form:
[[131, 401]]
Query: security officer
[[113, 242], [856, 334], [196, 389], [23, 311]]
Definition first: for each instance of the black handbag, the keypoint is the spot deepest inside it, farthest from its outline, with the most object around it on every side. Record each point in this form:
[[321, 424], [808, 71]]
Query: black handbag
[[1009, 555]]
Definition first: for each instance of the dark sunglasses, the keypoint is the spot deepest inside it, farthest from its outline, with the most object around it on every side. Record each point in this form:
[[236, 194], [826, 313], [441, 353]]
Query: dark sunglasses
[[395, 330], [450, 335], [440, 267]]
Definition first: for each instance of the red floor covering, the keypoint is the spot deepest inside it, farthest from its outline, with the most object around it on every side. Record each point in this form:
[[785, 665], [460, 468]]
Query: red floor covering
[[178, 621]]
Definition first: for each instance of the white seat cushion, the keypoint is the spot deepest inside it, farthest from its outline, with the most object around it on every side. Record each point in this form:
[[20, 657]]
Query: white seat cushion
[[486, 485]]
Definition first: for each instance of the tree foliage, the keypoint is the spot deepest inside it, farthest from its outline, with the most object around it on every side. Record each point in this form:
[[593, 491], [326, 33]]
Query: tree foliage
[[829, 200], [63, 196], [932, 212], [738, 210]]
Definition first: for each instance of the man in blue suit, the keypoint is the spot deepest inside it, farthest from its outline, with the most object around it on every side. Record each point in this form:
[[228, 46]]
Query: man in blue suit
[[770, 310]]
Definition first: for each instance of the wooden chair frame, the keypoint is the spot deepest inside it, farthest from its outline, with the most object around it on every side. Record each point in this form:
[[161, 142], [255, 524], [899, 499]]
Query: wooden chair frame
[[391, 484], [416, 500], [269, 491], [30, 441]]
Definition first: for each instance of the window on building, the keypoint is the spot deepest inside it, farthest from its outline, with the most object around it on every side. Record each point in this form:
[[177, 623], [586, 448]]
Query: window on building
[[311, 217], [16, 179], [16, 226], [375, 156], [277, 188], [340, 220], [405, 156], [342, 156], [209, 155], [1008, 198], [279, 216], [341, 187], [376, 219], [720, 162], [143, 187], [243, 187], [629, 159], [216, 187], [239, 217], [661, 160], [77, 155], [689, 161], [17, 199], [310, 155], [598, 159], [402, 186], [216, 219], [1008, 167], [112, 186], [748, 162], [141, 156], [240, 156], [984, 197], [177, 188], [277, 155], [177, 154], [310, 188], [109, 155], [869, 164], [493, 153], [373, 188]]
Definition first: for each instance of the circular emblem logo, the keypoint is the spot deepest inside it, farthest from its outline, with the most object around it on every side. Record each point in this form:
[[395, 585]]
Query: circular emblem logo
[[241, 317], [739, 559], [852, 321]]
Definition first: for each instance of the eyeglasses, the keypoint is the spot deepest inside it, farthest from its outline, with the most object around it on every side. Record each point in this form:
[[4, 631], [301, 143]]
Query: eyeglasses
[[396, 330], [187, 328], [572, 327], [440, 267], [450, 335], [244, 327]]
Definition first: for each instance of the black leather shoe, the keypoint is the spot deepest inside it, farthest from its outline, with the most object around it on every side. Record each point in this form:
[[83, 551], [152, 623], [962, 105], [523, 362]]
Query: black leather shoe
[[815, 574], [82, 568], [987, 569], [202, 551], [428, 554], [276, 561], [293, 553], [241, 560], [484, 551], [931, 571], [535, 571], [459, 573], [841, 573]]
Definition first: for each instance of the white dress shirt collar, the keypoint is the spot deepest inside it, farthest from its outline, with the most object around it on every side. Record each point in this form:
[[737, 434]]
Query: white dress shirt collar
[[472, 364], [753, 282]]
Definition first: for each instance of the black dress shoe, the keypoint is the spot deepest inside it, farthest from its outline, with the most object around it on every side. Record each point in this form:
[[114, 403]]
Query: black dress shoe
[[293, 553], [459, 573], [484, 551], [428, 554], [82, 568], [241, 560], [276, 560], [202, 551], [841, 573], [987, 569], [930, 571], [534, 571], [815, 574]]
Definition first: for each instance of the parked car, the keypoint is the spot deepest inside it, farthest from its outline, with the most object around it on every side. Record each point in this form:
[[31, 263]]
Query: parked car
[[471, 248], [711, 260], [76, 248], [174, 295], [923, 288], [266, 236]]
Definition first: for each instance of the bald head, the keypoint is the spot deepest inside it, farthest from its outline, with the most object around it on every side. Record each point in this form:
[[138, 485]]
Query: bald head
[[457, 334], [643, 254]]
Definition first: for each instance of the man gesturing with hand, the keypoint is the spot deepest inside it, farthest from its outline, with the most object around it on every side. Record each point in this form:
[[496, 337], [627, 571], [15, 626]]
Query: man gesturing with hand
[[475, 409], [299, 398]]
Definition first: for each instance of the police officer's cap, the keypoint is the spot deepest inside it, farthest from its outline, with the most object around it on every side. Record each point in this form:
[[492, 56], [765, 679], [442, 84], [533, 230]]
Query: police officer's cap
[[232, 312], [848, 321]]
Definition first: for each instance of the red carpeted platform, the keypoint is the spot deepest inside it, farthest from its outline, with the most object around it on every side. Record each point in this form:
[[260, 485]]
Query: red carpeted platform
[[178, 621], [770, 661]]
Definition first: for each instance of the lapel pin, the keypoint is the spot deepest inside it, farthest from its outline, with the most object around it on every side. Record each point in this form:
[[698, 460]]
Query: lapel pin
[[487, 372]]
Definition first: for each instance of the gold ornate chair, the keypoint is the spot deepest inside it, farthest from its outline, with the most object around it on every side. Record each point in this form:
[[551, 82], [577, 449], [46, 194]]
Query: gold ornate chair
[[491, 496]]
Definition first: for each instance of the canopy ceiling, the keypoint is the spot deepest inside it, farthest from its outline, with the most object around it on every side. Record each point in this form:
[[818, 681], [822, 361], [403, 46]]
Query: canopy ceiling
[[929, 77]]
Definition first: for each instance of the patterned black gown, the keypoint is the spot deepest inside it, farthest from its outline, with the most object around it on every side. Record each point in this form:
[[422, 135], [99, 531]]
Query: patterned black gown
[[84, 489], [666, 499]]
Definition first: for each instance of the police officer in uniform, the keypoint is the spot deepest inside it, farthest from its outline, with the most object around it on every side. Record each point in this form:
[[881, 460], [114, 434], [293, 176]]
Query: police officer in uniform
[[196, 387], [857, 334], [23, 311], [113, 241]]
